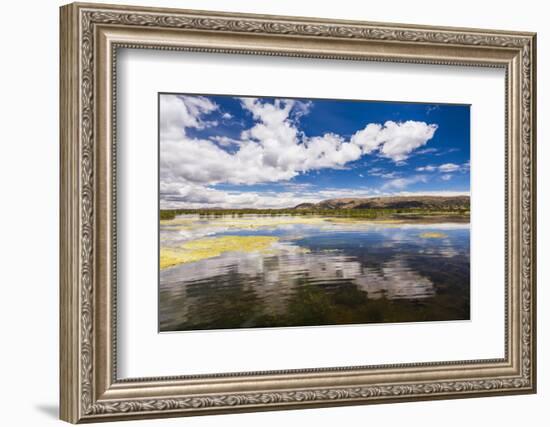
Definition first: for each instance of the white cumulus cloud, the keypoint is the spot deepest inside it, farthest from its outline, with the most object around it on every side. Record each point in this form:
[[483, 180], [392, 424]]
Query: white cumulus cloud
[[394, 140], [273, 149], [178, 112]]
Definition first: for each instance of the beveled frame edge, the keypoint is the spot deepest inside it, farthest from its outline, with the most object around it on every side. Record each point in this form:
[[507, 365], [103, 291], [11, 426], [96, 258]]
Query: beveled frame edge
[[88, 390]]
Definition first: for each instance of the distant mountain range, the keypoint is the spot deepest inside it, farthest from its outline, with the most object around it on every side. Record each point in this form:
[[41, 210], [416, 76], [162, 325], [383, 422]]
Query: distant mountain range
[[392, 202]]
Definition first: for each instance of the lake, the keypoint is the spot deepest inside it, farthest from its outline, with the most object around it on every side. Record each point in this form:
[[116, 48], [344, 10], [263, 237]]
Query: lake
[[252, 271]]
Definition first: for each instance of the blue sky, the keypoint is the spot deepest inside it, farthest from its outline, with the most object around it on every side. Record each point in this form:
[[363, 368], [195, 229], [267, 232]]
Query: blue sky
[[227, 151]]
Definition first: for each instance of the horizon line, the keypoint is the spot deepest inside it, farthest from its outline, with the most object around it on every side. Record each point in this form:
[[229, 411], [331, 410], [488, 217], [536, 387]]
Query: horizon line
[[457, 194]]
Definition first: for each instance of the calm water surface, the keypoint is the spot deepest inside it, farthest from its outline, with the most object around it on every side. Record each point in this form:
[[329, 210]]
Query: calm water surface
[[316, 271]]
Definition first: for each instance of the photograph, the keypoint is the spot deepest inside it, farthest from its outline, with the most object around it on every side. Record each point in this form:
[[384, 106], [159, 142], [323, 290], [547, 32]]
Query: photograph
[[280, 212]]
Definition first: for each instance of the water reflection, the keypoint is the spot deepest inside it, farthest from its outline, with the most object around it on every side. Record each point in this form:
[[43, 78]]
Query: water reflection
[[319, 272]]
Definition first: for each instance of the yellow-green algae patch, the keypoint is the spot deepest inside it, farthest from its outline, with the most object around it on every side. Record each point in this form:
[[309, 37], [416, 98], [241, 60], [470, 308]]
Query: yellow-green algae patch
[[197, 250], [433, 235]]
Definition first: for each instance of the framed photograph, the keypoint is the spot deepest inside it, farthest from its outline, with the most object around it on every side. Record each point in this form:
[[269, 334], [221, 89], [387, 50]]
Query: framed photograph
[[266, 212]]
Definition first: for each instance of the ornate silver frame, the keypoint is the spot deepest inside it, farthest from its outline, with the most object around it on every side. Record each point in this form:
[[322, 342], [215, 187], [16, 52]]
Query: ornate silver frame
[[90, 36]]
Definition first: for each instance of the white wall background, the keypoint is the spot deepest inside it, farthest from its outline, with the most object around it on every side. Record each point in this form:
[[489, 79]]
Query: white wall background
[[29, 170]]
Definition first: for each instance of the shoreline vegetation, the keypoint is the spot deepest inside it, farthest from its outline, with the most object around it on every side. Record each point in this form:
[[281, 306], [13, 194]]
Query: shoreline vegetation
[[406, 208], [439, 215]]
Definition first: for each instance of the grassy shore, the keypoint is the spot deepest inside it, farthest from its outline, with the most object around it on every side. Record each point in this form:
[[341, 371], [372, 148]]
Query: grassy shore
[[408, 214]]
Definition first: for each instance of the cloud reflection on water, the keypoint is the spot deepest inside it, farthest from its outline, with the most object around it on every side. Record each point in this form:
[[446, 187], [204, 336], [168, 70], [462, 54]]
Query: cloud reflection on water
[[386, 262]]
